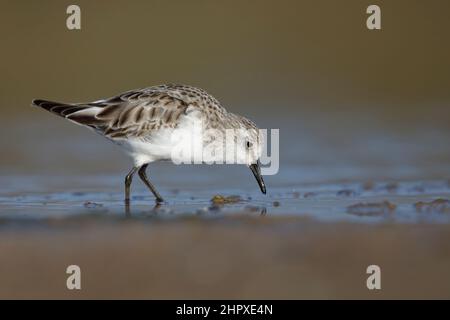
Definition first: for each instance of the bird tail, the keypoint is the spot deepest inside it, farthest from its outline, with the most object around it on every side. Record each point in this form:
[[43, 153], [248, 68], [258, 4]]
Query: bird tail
[[79, 113]]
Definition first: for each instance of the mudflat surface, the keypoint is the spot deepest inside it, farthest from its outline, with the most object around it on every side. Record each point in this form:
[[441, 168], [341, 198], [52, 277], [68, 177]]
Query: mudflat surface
[[308, 241], [233, 257]]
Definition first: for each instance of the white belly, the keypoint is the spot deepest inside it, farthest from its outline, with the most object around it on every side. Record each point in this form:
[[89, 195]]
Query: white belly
[[177, 145]]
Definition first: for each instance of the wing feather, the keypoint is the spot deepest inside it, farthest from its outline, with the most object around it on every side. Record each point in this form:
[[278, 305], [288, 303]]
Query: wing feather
[[136, 113]]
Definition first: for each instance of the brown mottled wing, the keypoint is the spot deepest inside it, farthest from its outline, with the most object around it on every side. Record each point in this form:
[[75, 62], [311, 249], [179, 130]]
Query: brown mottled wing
[[137, 113]]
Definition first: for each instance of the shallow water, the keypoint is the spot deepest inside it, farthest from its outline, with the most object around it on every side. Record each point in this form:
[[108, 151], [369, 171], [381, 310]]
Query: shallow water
[[26, 200], [323, 173], [312, 240]]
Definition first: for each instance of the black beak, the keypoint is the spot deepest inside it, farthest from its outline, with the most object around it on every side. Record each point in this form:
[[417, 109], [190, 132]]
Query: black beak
[[256, 169]]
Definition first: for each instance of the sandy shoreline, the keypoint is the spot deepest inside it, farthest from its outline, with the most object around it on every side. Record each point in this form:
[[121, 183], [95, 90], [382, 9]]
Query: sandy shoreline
[[234, 257]]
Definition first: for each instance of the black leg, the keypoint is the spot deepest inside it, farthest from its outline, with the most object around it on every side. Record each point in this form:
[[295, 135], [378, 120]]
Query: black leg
[[128, 180], [144, 178]]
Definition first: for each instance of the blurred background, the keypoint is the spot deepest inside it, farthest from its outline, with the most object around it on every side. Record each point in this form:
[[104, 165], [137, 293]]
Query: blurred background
[[340, 93], [364, 116]]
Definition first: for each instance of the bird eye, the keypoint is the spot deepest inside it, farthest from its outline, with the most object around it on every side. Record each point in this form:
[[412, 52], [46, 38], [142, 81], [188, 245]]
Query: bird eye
[[249, 144]]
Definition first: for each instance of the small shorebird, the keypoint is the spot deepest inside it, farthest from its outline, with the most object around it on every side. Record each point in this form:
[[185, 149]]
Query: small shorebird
[[144, 121]]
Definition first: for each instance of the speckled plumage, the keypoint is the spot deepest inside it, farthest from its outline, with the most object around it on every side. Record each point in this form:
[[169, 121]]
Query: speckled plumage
[[138, 113]]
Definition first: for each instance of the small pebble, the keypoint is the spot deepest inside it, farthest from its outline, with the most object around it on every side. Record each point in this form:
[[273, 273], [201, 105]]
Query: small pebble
[[438, 205], [346, 193], [372, 209], [309, 194], [90, 205], [392, 186], [219, 199]]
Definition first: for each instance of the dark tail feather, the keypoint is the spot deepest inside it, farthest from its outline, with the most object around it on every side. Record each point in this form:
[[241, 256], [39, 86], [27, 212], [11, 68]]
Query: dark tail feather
[[58, 108], [71, 112]]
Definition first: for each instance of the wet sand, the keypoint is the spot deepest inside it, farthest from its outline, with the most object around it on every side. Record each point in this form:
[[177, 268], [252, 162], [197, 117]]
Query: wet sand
[[311, 241], [232, 257]]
